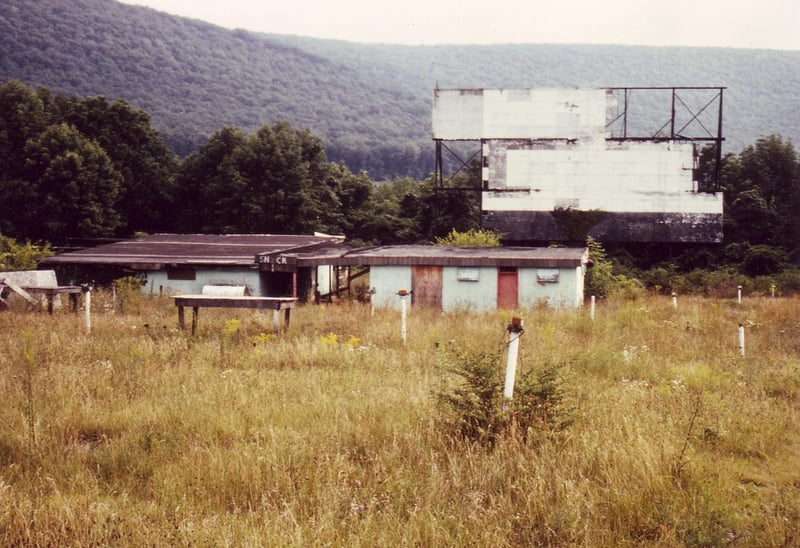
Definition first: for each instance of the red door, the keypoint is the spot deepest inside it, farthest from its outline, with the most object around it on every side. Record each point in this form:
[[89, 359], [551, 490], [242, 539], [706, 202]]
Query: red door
[[507, 296], [426, 284]]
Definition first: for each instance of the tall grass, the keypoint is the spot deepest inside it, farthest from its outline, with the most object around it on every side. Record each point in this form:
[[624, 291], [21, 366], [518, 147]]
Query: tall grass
[[140, 434]]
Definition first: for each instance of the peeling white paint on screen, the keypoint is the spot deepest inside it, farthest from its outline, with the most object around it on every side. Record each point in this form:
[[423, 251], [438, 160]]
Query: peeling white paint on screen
[[635, 177], [525, 113], [549, 149]]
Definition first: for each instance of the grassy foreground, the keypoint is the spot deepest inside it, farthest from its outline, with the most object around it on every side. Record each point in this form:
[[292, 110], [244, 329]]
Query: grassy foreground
[[139, 434]]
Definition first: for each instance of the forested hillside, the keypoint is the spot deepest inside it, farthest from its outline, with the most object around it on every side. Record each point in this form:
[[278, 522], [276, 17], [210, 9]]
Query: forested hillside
[[370, 104]]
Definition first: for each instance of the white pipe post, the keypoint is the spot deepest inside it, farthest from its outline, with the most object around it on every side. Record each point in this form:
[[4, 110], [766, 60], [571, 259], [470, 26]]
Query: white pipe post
[[403, 319], [674, 300], [515, 331], [739, 294], [403, 294], [591, 309], [772, 289], [87, 306], [741, 340]]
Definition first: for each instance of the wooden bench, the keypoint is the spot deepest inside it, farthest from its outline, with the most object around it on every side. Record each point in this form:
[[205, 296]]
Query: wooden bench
[[50, 292], [276, 304]]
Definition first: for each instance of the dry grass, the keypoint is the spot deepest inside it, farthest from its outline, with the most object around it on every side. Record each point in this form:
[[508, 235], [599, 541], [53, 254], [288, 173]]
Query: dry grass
[[329, 435]]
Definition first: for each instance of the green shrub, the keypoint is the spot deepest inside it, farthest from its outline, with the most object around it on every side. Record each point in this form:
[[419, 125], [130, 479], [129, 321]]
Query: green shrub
[[17, 256], [476, 410], [602, 281], [128, 294], [470, 238], [662, 279], [788, 281], [760, 260], [600, 276]]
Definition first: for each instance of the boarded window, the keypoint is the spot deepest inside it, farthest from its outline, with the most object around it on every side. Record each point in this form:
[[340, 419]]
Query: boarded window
[[547, 275], [468, 274], [181, 274]]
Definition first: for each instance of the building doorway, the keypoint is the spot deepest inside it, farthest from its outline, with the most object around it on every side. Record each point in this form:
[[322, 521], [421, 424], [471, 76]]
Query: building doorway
[[426, 285], [507, 287]]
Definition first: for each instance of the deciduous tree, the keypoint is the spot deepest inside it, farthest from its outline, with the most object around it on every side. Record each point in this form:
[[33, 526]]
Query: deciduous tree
[[72, 187]]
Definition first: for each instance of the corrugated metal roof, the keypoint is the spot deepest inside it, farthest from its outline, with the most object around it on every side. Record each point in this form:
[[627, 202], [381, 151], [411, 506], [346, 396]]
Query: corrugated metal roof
[[542, 257], [159, 250]]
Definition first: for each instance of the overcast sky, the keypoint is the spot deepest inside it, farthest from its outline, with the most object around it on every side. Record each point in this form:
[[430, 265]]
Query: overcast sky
[[770, 24]]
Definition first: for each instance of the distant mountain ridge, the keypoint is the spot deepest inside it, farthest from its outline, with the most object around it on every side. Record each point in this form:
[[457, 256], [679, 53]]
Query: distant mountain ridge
[[370, 103]]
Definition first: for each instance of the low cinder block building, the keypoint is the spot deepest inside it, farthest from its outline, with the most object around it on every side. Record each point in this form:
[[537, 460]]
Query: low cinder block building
[[321, 266], [185, 263], [467, 278]]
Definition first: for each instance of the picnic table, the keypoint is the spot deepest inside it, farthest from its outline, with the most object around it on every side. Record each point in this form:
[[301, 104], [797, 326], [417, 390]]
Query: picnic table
[[276, 304]]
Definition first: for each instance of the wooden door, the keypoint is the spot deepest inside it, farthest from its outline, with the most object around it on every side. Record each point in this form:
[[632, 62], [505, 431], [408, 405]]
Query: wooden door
[[507, 288], [426, 284]]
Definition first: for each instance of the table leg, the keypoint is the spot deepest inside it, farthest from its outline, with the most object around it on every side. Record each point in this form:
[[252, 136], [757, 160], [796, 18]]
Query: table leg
[[195, 310], [73, 300], [276, 321], [286, 319]]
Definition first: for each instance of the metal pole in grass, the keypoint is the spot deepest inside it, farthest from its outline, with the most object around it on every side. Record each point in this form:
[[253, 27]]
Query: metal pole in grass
[[739, 294], [591, 309], [772, 290], [515, 331], [87, 305], [741, 340], [674, 300], [403, 294]]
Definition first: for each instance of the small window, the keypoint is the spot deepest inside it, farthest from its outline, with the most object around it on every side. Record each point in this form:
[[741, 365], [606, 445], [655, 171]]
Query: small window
[[181, 274], [469, 274], [547, 275]]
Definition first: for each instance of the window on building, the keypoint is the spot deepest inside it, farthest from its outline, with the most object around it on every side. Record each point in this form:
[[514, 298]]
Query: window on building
[[181, 274], [547, 275], [468, 274]]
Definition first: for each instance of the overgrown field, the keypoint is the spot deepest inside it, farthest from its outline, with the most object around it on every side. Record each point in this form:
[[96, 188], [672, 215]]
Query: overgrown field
[[335, 432]]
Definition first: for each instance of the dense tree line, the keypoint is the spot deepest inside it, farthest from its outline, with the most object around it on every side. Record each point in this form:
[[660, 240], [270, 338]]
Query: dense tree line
[[761, 187], [79, 167], [90, 168], [370, 104]]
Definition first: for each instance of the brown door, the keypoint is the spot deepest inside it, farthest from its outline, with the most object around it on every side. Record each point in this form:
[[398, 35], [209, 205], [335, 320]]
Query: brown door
[[426, 283], [507, 288]]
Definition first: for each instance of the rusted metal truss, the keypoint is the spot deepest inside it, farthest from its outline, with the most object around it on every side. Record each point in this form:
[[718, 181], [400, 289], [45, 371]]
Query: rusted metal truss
[[694, 114], [458, 161]]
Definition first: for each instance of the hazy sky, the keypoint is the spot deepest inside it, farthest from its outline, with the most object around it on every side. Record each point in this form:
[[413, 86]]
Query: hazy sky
[[771, 24]]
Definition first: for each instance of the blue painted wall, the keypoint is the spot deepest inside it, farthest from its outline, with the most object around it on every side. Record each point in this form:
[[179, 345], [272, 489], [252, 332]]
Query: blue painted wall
[[387, 281], [157, 281], [469, 294], [475, 289]]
